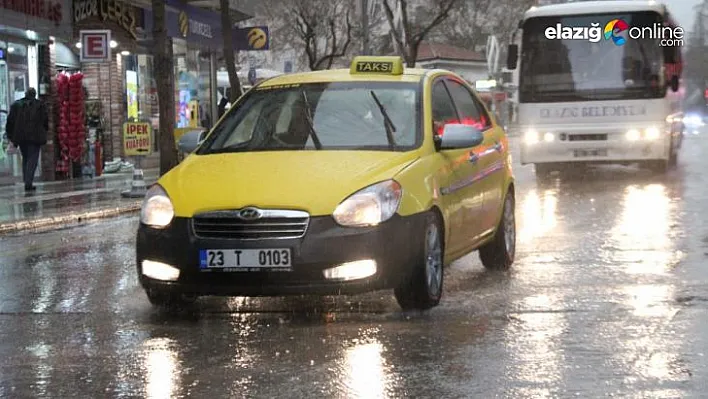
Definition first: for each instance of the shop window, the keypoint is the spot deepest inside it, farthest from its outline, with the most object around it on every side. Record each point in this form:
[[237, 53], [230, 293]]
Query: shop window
[[193, 87]]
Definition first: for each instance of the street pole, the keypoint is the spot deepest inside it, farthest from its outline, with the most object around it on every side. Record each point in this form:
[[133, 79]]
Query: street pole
[[365, 25]]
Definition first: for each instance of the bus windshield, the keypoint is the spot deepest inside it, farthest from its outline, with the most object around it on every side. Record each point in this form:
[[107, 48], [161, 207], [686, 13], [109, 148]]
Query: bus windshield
[[556, 70]]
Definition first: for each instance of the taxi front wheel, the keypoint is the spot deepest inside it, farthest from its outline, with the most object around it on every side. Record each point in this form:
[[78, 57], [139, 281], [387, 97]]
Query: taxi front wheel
[[498, 254], [421, 289]]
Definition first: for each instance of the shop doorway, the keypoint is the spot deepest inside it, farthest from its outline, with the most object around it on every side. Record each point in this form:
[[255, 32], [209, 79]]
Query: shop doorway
[[14, 82]]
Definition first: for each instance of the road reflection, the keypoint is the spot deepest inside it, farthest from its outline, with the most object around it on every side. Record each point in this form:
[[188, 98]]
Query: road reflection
[[162, 368], [46, 279], [538, 214], [365, 376], [641, 238], [537, 347]]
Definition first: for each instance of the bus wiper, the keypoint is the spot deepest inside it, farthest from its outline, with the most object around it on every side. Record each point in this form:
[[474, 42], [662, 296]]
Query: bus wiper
[[310, 123], [388, 123]]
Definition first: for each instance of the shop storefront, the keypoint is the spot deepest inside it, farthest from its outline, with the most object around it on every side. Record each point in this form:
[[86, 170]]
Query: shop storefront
[[109, 88], [125, 89], [29, 31]]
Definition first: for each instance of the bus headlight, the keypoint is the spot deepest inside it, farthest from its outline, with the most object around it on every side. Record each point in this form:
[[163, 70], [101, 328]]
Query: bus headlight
[[652, 133], [548, 137], [634, 135], [531, 137]]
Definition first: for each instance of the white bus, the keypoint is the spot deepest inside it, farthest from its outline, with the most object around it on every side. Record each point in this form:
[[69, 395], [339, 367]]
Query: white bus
[[598, 82]]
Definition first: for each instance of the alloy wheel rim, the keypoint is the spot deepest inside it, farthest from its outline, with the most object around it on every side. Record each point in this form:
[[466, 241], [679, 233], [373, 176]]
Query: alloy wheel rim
[[433, 259], [509, 228]]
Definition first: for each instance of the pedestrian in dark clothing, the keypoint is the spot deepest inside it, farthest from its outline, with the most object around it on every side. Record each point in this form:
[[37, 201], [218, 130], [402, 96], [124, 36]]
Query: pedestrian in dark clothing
[[27, 126]]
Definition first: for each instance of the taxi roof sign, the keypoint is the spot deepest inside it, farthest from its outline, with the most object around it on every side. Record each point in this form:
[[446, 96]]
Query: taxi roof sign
[[377, 65]]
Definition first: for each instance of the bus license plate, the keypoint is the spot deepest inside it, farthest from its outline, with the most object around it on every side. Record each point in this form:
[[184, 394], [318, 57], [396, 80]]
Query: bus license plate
[[274, 259], [590, 153]]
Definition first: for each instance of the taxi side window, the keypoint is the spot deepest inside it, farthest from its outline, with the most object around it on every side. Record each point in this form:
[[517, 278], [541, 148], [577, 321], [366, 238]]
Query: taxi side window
[[443, 108], [470, 109]]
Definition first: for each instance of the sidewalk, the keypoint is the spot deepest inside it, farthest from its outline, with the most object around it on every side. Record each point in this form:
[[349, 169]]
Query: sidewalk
[[70, 202]]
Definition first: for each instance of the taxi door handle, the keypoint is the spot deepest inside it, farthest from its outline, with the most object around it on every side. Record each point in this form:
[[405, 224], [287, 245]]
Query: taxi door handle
[[473, 158], [497, 147]]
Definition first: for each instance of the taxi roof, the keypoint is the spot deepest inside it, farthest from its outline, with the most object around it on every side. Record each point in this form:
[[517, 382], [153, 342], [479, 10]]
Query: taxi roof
[[412, 75]]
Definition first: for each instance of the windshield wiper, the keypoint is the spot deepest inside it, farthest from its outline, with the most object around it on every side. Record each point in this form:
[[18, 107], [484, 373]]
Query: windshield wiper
[[310, 123], [388, 123]]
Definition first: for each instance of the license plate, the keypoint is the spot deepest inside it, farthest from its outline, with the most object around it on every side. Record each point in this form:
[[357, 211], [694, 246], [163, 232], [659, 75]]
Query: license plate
[[276, 259], [590, 153]]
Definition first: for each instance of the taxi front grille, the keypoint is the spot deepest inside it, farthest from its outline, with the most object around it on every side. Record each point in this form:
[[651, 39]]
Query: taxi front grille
[[271, 225]]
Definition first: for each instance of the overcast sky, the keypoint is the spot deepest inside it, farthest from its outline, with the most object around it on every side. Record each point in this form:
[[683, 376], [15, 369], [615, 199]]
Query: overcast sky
[[682, 11]]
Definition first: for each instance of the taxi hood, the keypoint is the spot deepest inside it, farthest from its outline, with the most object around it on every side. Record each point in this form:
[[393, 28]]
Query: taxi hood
[[313, 181]]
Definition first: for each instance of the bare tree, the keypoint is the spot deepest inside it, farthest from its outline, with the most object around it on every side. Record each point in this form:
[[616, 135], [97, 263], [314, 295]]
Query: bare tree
[[229, 57], [409, 32], [325, 29], [506, 15], [369, 27], [468, 25], [473, 20], [162, 51]]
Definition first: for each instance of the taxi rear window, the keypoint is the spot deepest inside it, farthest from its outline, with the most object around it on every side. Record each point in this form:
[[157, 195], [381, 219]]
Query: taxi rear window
[[322, 116]]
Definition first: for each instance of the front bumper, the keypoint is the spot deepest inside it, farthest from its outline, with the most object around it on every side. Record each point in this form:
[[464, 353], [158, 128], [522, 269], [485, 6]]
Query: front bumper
[[615, 149], [392, 245]]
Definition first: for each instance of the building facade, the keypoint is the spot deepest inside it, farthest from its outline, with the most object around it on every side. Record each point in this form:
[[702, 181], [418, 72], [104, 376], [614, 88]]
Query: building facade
[[125, 89], [30, 32]]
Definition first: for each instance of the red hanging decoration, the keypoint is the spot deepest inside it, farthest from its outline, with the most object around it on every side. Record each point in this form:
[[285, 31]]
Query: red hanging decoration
[[71, 124]]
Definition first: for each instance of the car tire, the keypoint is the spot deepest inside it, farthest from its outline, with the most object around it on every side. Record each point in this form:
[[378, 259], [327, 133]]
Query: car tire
[[499, 253], [169, 300], [544, 170], [422, 288]]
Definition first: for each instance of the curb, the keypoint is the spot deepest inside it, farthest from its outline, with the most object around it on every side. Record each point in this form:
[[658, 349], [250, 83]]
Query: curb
[[57, 222]]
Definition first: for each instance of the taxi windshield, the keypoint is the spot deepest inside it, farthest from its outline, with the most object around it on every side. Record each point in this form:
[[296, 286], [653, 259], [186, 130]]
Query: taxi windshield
[[321, 116]]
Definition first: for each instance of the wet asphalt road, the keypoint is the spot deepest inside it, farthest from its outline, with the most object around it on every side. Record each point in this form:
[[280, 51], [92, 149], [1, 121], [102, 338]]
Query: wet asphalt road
[[608, 297]]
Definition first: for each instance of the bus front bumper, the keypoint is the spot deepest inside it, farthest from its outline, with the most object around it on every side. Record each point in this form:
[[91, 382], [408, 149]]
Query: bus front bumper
[[613, 150]]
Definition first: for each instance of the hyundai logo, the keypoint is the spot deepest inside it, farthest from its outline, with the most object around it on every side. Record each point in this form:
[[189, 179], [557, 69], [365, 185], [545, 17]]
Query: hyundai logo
[[250, 213]]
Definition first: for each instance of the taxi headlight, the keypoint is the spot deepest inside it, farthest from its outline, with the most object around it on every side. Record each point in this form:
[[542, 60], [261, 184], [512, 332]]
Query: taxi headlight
[[531, 137], [370, 206], [652, 133], [633, 135], [548, 137], [157, 209]]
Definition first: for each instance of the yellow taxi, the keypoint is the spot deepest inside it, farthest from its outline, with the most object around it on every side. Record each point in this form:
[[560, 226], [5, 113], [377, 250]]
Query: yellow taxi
[[333, 182]]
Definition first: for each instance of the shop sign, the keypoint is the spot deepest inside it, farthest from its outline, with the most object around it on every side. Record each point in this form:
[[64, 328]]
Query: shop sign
[[95, 45], [137, 138], [48, 10], [196, 25], [116, 11]]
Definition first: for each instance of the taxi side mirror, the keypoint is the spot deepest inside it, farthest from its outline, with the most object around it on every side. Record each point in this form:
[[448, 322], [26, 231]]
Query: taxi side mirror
[[190, 141], [457, 136]]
